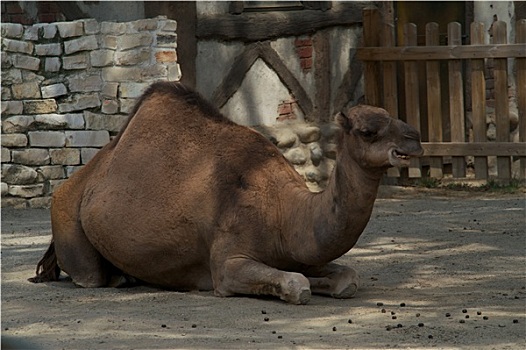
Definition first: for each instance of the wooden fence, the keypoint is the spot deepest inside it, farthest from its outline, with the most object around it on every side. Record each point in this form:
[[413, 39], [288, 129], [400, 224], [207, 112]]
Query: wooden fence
[[452, 74]]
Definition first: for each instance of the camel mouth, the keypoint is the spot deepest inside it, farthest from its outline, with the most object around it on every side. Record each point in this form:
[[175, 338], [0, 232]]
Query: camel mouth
[[398, 158]]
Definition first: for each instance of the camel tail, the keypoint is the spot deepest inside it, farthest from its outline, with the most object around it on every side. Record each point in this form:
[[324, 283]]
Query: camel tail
[[47, 267]]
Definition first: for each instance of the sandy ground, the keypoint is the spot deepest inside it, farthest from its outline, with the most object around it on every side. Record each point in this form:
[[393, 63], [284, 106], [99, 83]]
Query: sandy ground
[[440, 270]]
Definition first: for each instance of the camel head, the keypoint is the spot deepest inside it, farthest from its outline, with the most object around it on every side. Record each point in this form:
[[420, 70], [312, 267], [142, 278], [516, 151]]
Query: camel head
[[377, 141]]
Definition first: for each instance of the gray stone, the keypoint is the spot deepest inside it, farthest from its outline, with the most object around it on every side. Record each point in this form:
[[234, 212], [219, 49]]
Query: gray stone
[[58, 121], [31, 76], [132, 90], [85, 83], [70, 29], [71, 169], [39, 202], [110, 107], [109, 42], [307, 133], [31, 33], [166, 40], [47, 138], [6, 93], [79, 102], [51, 172], [104, 122], [14, 140], [316, 153], [174, 72], [130, 41], [16, 174], [86, 43], [127, 104], [314, 174], [156, 71], [296, 156], [5, 155], [132, 57], [285, 138], [86, 154], [65, 156], [54, 90], [491, 132], [112, 28], [91, 26], [17, 124], [101, 58], [142, 25], [26, 90], [40, 106], [26, 191], [15, 203], [26, 62], [118, 74], [48, 49], [97, 138], [12, 30], [30, 156], [168, 25], [12, 107], [110, 90], [17, 46], [4, 188], [52, 64], [11, 76], [49, 31], [6, 61], [75, 62]]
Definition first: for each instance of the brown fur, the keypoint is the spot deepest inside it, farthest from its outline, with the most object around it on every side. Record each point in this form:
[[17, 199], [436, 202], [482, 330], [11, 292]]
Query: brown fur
[[186, 199]]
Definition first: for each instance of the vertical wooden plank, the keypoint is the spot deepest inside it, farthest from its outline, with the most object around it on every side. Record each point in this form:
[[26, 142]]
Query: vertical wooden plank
[[322, 76], [456, 98], [389, 72], [520, 64], [502, 118], [372, 82], [434, 102], [478, 100], [412, 98]]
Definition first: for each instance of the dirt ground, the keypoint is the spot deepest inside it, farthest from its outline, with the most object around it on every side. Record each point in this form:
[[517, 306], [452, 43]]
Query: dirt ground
[[439, 269]]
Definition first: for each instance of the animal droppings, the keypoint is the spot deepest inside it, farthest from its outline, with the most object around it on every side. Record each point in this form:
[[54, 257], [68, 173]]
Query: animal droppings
[[479, 313], [420, 324], [467, 316], [266, 319], [417, 315], [448, 314], [280, 337], [334, 329], [194, 326], [263, 312], [273, 332], [430, 336], [399, 325], [393, 313], [394, 317], [163, 326], [350, 321], [485, 317], [380, 304], [464, 311], [402, 304], [462, 321], [515, 321], [384, 311]]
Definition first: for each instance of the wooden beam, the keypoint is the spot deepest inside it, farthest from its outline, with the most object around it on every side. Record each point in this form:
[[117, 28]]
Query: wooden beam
[[455, 52], [477, 149]]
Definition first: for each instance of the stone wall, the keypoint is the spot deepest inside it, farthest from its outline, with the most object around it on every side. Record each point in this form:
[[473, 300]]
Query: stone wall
[[66, 90]]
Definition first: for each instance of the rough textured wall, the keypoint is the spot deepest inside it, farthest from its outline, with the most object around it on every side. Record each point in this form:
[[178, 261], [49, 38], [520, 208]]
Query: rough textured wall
[[66, 90]]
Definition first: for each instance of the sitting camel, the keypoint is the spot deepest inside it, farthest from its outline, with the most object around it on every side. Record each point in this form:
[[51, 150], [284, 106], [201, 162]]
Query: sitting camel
[[185, 199]]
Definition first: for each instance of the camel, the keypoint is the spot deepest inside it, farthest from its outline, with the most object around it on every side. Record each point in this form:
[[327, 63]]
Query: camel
[[184, 199]]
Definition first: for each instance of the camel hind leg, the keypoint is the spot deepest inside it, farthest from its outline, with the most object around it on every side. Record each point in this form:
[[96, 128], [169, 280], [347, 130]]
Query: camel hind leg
[[333, 280]]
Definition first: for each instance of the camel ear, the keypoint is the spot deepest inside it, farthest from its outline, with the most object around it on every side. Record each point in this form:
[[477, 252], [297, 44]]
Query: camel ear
[[343, 121]]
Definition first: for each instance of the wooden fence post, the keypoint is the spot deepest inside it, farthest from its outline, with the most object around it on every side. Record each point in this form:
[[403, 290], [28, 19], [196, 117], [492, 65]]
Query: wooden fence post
[[371, 25], [434, 100], [520, 64], [502, 114], [456, 98], [412, 99], [478, 100]]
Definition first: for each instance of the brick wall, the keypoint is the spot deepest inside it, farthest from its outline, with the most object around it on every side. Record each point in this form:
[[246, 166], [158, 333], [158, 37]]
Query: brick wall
[[66, 90]]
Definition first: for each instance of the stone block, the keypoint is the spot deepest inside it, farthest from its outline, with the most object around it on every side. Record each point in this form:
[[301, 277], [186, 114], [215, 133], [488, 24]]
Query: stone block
[[12, 30], [132, 90], [104, 122], [4, 189], [113, 28], [307, 133], [132, 57], [75, 62], [26, 62], [51, 172], [109, 42], [87, 154], [11, 76], [296, 156], [40, 106], [16, 174], [165, 55], [87, 138], [15, 203], [167, 40], [52, 64], [58, 121], [174, 72], [6, 93], [118, 74], [48, 49], [130, 41], [14, 140], [85, 82], [101, 58], [71, 169], [26, 90], [17, 46], [70, 29], [47, 138], [30, 156], [31, 76], [142, 25], [31, 33], [26, 191], [110, 106], [127, 104], [6, 155], [91, 26], [168, 25], [12, 107], [79, 102], [110, 89], [154, 72], [54, 90], [85, 43], [17, 124], [49, 30], [6, 60], [65, 156], [39, 202]]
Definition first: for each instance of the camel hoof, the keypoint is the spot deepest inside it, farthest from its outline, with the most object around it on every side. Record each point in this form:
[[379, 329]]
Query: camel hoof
[[347, 292]]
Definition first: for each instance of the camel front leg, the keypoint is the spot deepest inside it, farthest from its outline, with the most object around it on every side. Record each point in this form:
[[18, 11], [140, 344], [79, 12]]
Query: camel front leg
[[246, 276], [334, 280]]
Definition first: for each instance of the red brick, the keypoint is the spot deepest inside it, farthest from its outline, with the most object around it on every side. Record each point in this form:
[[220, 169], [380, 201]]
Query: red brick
[[284, 108], [13, 8], [303, 42], [47, 17], [166, 56], [306, 63], [305, 52], [22, 19]]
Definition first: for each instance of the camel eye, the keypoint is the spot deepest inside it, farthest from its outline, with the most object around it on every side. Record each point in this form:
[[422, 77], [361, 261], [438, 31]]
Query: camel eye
[[368, 133]]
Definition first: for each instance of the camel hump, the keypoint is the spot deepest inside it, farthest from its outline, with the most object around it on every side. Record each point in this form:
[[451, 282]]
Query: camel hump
[[177, 91]]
